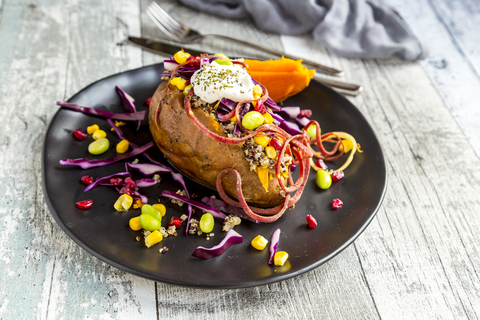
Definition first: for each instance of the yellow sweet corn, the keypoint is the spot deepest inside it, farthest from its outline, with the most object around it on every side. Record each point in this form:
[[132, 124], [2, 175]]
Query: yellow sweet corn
[[262, 173], [259, 242], [257, 91], [271, 152], [179, 83], [234, 119], [160, 208], [262, 140], [153, 238], [98, 134], [347, 144], [122, 146], [123, 203], [181, 56], [280, 258], [91, 129], [134, 224], [268, 118]]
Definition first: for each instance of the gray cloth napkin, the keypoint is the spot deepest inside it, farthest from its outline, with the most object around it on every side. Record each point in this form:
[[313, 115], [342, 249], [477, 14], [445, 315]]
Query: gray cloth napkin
[[350, 28]]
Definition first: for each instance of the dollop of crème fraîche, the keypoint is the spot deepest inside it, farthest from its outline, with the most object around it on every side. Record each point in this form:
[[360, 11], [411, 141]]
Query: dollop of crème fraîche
[[216, 81]]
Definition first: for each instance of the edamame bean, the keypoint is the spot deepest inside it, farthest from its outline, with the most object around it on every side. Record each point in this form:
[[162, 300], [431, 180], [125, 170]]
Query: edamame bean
[[149, 223], [252, 120], [206, 223], [223, 62], [150, 210], [324, 180], [312, 131], [99, 146]]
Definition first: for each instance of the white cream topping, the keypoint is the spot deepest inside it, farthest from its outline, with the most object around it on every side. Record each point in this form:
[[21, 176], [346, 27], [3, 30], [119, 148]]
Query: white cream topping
[[216, 81]]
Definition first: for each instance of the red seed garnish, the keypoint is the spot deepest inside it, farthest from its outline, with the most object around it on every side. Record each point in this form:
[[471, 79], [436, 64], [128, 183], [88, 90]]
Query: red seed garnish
[[337, 176], [337, 203], [312, 223], [321, 164], [175, 221], [80, 135], [148, 101], [85, 204], [126, 190], [87, 180], [130, 183], [276, 144], [305, 113], [116, 181]]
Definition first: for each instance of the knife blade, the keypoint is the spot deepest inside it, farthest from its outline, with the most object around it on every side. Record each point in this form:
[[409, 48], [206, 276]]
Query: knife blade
[[157, 46]]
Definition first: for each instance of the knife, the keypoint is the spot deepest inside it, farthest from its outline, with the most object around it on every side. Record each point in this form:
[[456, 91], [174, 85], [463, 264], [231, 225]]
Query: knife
[[165, 48]]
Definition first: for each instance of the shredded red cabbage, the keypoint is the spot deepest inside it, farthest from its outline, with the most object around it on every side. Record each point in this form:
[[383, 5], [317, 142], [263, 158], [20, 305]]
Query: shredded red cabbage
[[106, 114], [148, 169], [225, 207], [232, 237], [273, 244], [290, 127], [129, 101], [106, 180], [145, 182], [215, 213]]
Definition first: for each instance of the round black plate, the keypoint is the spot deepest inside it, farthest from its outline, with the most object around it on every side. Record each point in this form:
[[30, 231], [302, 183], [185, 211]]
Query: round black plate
[[104, 232]]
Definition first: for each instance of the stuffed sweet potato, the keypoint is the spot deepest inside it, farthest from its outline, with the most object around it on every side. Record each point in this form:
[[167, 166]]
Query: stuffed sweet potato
[[201, 157]]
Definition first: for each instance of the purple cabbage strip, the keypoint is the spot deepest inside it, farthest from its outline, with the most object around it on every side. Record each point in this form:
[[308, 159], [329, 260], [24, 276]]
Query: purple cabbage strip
[[147, 169], [216, 213], [225, 207], [204, 61], [230, 104], [106, 114], [85, 163], [273, 244], [303, 121], [276, 117], [170, 64], [232, 237], [102, 180], [128, 100], [292, 112], [290, 127], [145, 182], [272, 105]]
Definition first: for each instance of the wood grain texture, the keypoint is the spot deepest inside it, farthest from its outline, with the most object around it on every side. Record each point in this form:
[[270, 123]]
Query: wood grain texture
[[419, 258]]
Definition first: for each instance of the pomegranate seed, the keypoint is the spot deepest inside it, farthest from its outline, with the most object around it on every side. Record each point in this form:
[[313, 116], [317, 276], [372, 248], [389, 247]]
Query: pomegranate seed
[[337, 203], [126, 190], [337, 175], [321, 164], [87, 180], [312, 223], [293, 168], [116, 181], [187, 83], [276, 144], [130, 183], [305, 113], [148, 101], [80, 135], [175, 221], [85, 204]]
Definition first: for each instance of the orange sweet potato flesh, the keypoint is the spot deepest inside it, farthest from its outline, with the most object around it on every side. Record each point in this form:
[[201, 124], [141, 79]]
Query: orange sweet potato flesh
[[282, 78], [199, 156]]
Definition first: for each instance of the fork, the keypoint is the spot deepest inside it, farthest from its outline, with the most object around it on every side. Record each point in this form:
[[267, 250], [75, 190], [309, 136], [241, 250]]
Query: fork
[[185, 35]]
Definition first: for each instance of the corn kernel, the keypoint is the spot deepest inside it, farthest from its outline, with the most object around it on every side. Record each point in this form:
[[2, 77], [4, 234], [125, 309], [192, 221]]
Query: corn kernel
[[174, 81], [347, 144], [91, 129], [98, 134], [123, 203], [268, 118], [259, 242], [122, 146], [160, 208], [257, 91], [153, 238], [134, 224], [262, 140], [271, 152], [181, 84], [280, 258], [181, 56], [234, 119]]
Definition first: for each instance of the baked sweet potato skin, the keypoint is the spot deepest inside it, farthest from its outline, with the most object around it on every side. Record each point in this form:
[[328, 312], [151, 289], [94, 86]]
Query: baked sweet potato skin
[[199, 156]]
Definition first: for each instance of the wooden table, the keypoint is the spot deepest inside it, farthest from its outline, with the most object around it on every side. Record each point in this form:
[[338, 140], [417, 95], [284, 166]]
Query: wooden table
[[419, 258]]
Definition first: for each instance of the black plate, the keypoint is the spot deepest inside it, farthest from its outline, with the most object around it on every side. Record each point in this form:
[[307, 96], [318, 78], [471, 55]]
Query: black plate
[[104, 232]]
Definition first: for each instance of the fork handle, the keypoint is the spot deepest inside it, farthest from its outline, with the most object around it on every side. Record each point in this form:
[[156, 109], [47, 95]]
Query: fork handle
[[321, 68]]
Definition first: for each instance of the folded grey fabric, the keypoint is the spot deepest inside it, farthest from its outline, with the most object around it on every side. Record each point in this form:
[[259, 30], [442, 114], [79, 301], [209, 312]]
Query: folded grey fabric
[[350, 28]]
